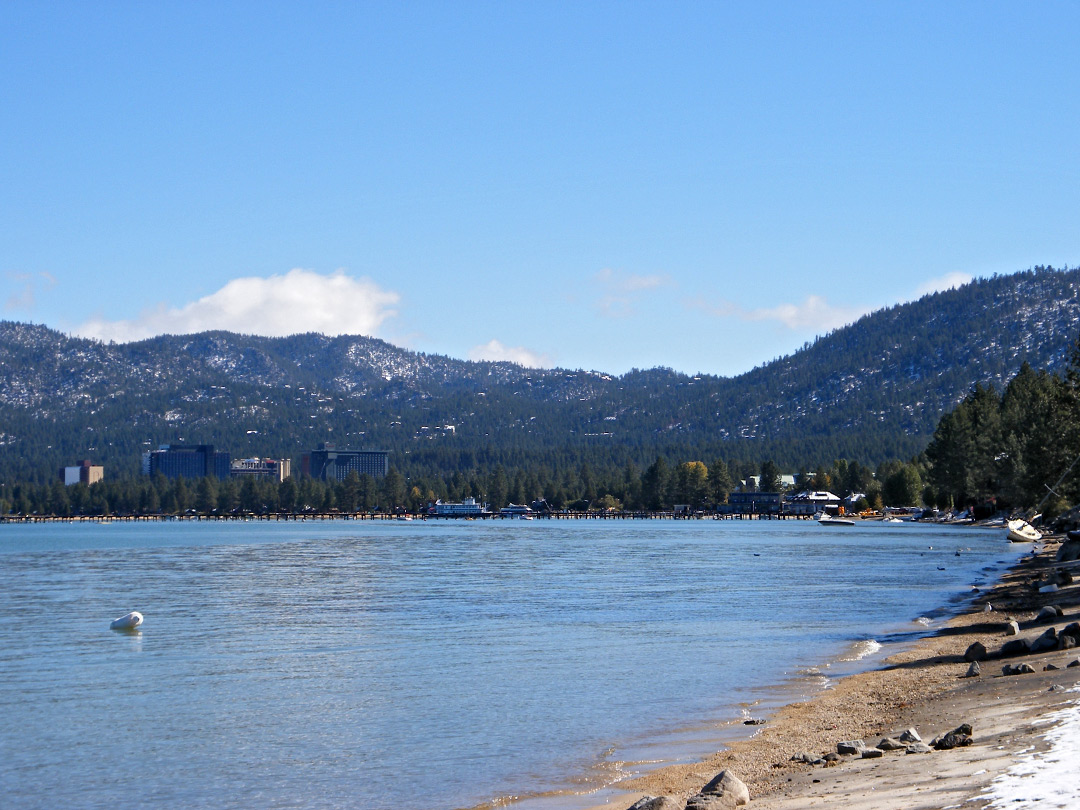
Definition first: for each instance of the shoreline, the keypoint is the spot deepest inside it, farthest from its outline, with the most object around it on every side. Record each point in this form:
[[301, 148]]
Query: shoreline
[[921, 685]]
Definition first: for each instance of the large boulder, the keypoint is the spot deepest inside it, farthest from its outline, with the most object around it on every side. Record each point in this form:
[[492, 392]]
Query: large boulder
[[1046, 642], [850, 747], [1019, 646], [726, 790], [1069, 551], [1050, 613], [1012, 628], [975, 652]]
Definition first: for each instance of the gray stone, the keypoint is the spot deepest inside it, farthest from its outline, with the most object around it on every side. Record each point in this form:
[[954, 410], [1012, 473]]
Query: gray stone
[[807, 757], [1017, 669], [1050, 668], [891, 744], [1069, 551], [1057, 687], [974, 671], [1066, 642], [1072, 630], [1019, 646], [1012, 628], [872, 753], [910, 736], [950, 741], [657, 803], [724, 791], [1046, 642], [850, 747], [1071, 664], [976, 652], [918, 748], [831, 758], [1048, 614]]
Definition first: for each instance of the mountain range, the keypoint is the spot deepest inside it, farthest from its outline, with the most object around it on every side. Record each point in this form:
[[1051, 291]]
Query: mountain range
[[869, 391]]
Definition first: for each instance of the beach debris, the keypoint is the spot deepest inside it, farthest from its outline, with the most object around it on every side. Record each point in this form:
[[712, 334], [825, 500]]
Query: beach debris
[[975, 652], [918, 748], [127, 622], [657, 803], [1057, 687], [957, 738], [1012, 628], [1019, 646], [1047, 641], [891, 744], [1017, 669], [1050, 613], [726, 790], [910, 736], [754, 721], [974, 671], [1048, 588], [872, 753], [850, 747]]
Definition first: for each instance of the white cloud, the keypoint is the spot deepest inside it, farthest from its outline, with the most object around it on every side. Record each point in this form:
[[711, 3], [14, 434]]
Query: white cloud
[[299, 301], [497, 352], [946, 282], [814, 313], [618, 289], [25, 297]]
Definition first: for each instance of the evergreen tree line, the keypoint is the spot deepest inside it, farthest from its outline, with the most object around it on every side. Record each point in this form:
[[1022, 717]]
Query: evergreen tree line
[[1017, 448], [656, 488]]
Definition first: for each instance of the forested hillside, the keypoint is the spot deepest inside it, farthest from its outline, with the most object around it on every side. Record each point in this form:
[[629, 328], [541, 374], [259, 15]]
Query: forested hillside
[[868, 392]]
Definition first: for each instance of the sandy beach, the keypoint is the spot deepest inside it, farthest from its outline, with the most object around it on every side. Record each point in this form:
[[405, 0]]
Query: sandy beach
[[922, 687]]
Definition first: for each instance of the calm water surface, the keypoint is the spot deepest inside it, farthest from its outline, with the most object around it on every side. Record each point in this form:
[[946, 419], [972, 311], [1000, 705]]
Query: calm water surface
[[420, 665]]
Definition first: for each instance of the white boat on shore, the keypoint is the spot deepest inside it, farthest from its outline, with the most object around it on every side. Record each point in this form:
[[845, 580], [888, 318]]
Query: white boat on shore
[[1020, 531]]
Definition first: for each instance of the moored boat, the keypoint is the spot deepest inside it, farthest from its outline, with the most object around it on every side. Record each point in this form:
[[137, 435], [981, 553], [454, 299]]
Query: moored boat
[[826, 519]]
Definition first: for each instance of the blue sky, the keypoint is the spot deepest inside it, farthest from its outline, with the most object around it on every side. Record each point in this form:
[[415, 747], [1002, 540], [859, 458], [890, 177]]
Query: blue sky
[[704, 186]]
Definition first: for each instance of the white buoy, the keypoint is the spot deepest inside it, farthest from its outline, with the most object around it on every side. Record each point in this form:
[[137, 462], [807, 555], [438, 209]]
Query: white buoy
[[128, 622]]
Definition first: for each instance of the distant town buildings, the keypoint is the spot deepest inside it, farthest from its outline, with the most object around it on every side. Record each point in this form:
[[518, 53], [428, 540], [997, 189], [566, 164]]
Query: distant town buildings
[[187, 461], [331, 464], [83, 473], [277, 468]]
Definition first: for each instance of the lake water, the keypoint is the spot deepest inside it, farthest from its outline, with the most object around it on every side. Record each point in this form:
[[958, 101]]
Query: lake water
[[429, 665]]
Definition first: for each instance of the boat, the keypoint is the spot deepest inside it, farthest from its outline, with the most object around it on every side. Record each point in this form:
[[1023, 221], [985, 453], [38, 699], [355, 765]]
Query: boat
[[404, 517], [829, 520], [128, 622], [1020, 531]]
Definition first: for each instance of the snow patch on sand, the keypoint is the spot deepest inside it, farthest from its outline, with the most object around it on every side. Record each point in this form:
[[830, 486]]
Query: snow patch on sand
[[1044, 779]]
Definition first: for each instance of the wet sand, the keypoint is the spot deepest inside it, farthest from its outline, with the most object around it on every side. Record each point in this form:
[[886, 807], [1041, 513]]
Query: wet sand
[[922, 687]]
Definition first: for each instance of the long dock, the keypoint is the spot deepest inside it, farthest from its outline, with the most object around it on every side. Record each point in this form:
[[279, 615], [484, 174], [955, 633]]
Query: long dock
[[301, 517]]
